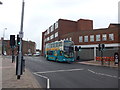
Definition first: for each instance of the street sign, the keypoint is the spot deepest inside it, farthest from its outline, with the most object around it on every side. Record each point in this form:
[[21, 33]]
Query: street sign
[[116, 58]]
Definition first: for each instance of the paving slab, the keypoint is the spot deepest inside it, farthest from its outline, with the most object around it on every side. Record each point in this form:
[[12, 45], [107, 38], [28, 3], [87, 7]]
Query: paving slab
[[9, 78]]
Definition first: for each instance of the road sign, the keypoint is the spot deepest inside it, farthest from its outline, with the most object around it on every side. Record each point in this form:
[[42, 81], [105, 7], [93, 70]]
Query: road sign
[[116, 58]]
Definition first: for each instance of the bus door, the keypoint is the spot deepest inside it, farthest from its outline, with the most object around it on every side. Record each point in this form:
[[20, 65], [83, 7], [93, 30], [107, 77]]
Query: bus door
[[60, 55]]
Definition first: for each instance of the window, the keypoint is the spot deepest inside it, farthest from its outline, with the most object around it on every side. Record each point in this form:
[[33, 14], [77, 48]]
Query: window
[[80, 38], [52, 28], [56, 34], [85, 38], [111, 37], [47, 38], [56, 25], [48, 31], [45, 34], [97, 37], [104, 37], [66, 38], [70, 39], [52, 36], [92, 38]]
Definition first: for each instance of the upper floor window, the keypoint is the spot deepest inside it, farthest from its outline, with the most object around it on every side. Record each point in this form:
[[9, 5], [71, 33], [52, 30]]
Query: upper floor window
[[111, 37], [92, 38], [70, 39], [80, 38], [56, 34], [52, 28], [48, 31], [104, 37], [56, 25], [52, 36], [85, 38], [66, 38], [48, 38], [97, 37]]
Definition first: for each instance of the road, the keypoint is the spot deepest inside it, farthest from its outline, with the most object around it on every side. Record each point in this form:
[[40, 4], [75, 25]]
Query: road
[[63, 75]]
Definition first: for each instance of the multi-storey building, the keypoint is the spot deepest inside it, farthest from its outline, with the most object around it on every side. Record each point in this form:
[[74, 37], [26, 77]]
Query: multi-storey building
[[81, 32]]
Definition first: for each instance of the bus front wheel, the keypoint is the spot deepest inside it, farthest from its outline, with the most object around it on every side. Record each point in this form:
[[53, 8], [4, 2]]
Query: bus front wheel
[[56, 59], [47, 59]]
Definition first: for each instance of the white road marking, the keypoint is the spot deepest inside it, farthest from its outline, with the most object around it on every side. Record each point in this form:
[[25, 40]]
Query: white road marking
[[103, 74], [48, 80], [60, 71]]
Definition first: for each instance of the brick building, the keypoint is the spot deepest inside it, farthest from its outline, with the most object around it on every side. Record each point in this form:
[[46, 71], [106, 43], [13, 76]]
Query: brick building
[[81, 32], [28, 47], [0, 47]]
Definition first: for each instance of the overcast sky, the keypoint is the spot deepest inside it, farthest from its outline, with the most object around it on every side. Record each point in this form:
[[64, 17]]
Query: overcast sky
[[41, 14]]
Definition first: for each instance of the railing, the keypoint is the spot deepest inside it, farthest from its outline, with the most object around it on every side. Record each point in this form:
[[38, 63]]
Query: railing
[[105, 58]]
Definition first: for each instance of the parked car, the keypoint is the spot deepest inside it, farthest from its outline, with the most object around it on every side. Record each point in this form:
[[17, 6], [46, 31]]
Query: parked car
[[36, 54], [29, 54]]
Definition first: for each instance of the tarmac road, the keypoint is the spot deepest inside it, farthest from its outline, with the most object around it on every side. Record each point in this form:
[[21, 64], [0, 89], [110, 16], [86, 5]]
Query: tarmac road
[[63, 75]]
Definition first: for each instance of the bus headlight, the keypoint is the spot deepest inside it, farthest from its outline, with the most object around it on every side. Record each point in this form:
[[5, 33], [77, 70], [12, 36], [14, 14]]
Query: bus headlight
[[64, 59]]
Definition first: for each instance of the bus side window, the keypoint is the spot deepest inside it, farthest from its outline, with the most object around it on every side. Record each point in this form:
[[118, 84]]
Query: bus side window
[[61, 53], [47, 52], [55, 53], [51, 52]]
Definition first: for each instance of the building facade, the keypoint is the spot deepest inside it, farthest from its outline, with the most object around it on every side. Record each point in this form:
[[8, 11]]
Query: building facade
[[28, 47], [81, 32], [0, 47]]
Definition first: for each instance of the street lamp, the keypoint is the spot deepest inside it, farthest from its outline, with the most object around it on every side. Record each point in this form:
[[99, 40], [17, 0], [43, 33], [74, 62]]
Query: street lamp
[[3, 43], [1, 2], [4, 32]]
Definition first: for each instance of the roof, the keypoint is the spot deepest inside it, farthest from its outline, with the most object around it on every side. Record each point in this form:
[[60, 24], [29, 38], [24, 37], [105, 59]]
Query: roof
[[114, 25]]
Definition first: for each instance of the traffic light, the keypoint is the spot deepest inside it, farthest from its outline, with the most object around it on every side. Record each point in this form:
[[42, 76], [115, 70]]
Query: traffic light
[[79, 48], [76, 48], [18, 40], [101, 47], [12, 40], [71, 49]]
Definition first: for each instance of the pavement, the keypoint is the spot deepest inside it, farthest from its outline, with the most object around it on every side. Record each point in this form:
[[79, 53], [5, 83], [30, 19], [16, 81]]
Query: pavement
[[98, 63], [9, 78], [27, 80]]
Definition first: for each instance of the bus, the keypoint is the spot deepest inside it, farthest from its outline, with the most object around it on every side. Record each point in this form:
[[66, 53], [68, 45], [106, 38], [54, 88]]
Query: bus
[[62, 51]]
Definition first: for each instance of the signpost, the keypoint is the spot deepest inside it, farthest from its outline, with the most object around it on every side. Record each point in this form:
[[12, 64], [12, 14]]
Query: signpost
[[116, 58], [20, 55]]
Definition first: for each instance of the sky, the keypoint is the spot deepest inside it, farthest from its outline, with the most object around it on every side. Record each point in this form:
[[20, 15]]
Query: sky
[[39, 15]]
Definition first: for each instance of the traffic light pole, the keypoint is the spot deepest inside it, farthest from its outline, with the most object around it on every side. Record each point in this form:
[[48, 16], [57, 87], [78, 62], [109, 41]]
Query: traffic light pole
[[13, 56], [20, 56]]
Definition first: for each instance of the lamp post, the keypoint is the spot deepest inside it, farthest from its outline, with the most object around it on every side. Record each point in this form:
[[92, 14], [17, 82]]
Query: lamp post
[[3, 43], [1, 2]]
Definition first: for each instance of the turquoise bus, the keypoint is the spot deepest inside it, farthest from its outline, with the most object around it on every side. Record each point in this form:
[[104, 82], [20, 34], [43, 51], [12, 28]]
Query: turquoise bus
[[62, 51]]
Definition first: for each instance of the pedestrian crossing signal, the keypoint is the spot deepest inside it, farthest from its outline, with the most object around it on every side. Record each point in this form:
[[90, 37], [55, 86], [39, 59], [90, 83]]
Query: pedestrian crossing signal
[[18, 40]]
